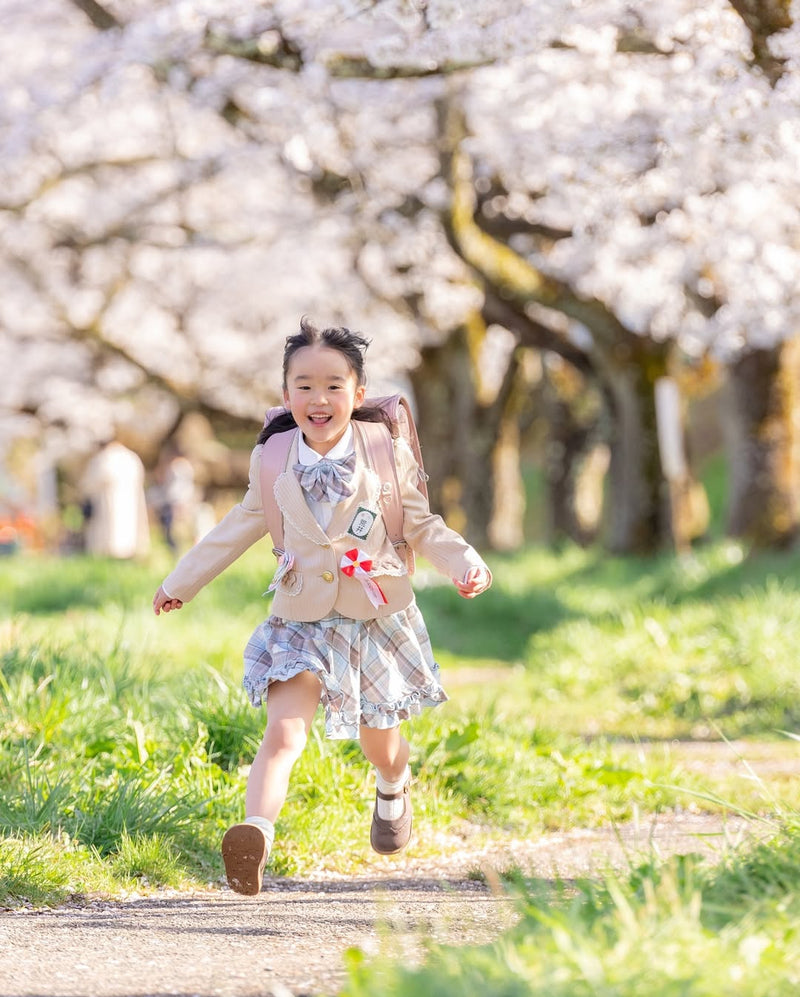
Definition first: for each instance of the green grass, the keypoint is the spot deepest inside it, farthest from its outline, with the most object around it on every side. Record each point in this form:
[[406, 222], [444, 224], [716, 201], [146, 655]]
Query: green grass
[[680, 928], [125, 739]]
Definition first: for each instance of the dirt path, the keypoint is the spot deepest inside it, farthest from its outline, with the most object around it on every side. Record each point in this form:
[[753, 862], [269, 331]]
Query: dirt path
[[291, 939]]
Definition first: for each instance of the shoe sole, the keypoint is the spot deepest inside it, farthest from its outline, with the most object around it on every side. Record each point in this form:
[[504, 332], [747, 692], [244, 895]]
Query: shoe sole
[[244, 852]]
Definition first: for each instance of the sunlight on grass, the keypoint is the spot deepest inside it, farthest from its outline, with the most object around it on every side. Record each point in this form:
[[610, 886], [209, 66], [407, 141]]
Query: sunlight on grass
[[148, 860], [680, 926], [572, 684]]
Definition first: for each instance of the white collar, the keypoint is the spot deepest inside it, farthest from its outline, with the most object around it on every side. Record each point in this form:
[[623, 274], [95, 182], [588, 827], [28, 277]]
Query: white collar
[[307, 456]]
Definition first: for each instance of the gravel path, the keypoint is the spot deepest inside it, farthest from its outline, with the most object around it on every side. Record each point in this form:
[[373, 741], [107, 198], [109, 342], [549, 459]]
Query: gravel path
[[291, 939]]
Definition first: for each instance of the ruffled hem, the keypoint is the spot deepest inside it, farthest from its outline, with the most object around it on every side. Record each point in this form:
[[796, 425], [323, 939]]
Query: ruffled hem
[[391, 659]]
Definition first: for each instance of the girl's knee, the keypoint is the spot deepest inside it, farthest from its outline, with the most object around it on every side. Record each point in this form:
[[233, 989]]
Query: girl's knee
[[286, 736], [290, 711], [384, 748]]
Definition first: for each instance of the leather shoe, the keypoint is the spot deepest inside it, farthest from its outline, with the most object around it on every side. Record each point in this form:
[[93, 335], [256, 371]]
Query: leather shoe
[[390, 836], [245, 852]]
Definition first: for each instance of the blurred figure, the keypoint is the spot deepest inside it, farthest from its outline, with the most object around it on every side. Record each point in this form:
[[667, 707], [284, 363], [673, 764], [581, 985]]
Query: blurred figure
[[175, 500], [115, 505]]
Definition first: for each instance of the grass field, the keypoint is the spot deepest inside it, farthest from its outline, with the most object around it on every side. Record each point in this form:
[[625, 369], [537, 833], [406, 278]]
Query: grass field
[[125, 740]]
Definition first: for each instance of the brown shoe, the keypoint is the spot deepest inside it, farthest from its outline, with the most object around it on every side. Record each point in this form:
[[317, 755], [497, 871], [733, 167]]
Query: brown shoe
[[245, 853], [390, 836]]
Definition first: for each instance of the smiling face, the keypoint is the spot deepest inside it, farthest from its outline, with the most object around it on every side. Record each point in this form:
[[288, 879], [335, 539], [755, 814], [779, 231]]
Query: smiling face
[[321, 392]]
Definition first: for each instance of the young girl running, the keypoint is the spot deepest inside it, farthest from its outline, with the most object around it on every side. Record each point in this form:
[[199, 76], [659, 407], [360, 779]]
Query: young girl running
[[347, 634]]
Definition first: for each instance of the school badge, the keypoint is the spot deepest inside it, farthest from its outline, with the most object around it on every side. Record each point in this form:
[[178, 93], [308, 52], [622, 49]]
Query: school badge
[[363, 522]]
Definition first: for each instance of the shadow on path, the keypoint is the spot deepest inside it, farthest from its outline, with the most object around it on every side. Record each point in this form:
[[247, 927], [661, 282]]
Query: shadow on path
[[291, 939]]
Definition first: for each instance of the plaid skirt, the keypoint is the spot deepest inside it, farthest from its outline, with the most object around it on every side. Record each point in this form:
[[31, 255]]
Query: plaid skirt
[[373, 672]]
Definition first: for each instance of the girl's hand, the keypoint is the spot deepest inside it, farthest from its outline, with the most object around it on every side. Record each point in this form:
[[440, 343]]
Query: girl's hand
[[162, 601], [475, 581]]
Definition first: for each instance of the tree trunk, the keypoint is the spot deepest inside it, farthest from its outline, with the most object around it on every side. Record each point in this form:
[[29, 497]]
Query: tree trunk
[[505, 529], [470, 449], [762, 396], [626, 363], [456, 452], [571, 431], [639, 514]]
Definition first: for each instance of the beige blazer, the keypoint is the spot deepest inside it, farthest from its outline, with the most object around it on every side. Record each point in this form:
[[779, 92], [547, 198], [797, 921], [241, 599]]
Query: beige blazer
[[316, 587]]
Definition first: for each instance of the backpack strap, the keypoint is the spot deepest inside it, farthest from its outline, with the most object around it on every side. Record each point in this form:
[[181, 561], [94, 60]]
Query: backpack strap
[[399, 411], [274, 454]]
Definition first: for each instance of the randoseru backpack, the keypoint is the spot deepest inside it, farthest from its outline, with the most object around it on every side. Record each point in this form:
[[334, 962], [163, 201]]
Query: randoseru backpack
[[380, 454]]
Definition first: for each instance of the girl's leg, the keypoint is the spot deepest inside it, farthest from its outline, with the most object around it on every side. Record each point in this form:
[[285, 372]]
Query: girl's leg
[[387, 750], [246, 847], [290, 709], [391, 821]]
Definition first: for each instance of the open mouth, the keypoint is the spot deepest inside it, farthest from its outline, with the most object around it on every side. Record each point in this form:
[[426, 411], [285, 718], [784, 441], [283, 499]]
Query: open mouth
[[319, 420]]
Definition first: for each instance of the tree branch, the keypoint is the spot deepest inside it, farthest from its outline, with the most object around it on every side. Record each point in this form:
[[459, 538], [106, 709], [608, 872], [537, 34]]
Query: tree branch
[[493, 218], [764, 18], [101, 18], [512, 278], [359, 67], [531, 333], [269, 48], [50, 182], [273, 48]]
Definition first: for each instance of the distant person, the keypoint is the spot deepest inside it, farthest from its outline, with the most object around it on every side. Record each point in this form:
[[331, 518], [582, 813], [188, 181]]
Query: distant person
[[345, 628], [115, 507], [176, 501]]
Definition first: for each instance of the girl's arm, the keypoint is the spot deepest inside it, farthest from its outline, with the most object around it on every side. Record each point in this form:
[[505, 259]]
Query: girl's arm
[[430, 536], [230, 538]]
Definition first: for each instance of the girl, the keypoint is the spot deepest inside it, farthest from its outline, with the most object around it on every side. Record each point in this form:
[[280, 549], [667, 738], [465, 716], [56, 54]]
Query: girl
[[347, 634]]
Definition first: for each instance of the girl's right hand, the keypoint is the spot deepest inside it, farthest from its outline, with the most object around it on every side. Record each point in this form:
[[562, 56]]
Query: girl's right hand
[[162, 601], [475, 581]]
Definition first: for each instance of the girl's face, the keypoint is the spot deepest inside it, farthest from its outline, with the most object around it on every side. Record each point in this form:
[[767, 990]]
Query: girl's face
[[321, 392]]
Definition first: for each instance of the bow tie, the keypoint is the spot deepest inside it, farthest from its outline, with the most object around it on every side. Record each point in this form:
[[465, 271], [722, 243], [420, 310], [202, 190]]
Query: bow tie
[[327, 480]]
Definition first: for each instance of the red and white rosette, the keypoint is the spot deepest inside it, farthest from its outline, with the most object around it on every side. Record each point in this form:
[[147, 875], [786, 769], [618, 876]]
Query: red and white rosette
[[356, 564]]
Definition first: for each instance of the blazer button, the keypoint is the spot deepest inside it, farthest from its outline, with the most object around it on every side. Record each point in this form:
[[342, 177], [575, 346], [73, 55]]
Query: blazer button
[[327, 576]]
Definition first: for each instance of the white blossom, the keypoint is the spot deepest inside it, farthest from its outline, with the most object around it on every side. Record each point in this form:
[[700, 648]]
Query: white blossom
[[187, 205]]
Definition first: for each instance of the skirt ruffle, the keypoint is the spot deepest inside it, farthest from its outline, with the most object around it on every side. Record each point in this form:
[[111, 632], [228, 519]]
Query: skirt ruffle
[[372, 672]]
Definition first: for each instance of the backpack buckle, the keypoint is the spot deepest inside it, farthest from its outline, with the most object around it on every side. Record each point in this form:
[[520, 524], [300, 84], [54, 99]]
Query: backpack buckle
[[406, 555]]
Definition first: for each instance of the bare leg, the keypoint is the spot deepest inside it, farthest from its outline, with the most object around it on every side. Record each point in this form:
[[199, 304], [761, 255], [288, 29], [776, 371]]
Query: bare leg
[[290, 709], [387, 750]]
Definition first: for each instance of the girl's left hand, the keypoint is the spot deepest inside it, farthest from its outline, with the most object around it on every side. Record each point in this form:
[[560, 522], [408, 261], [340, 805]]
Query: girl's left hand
[[164, 603], [475, 581]]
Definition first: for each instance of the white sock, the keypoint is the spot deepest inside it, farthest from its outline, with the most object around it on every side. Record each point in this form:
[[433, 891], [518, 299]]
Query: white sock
[[391, 809], [266, 826]]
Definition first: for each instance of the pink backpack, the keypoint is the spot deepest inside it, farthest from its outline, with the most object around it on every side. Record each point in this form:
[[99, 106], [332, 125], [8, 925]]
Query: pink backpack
[[378, 446]]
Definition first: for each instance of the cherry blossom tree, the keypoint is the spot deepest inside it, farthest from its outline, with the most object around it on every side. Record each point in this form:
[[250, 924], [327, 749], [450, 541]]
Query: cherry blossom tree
[[461, 181]]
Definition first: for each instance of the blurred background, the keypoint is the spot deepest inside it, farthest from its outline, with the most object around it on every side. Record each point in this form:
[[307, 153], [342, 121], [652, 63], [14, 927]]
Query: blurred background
[[571, 231]]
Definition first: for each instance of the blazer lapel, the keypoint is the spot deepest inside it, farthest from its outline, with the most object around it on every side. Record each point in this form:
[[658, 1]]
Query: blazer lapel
[[365, 495], [292, 501]]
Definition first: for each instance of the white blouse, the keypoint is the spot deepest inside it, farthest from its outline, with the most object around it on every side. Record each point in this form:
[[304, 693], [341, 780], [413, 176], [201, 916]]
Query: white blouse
[[323, 510]]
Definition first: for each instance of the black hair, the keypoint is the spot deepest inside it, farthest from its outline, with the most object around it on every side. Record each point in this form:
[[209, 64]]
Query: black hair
[[351, 345]]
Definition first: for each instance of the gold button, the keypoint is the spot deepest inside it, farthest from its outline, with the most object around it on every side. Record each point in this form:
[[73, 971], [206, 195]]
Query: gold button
[[327, 576]]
